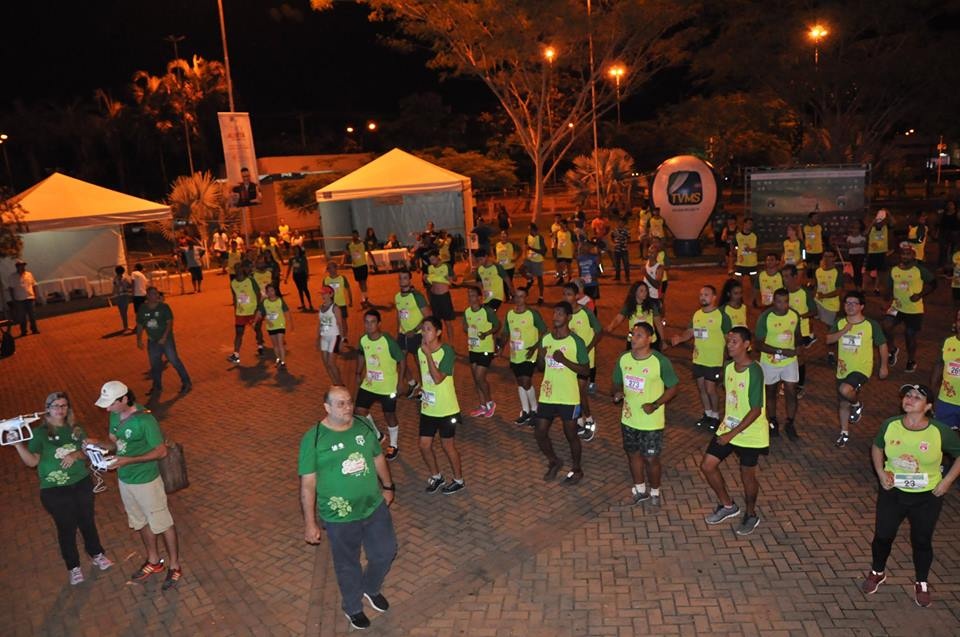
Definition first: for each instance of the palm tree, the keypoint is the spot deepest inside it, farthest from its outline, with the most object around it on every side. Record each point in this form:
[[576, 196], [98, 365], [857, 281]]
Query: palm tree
[[198, 200], [616, 178]]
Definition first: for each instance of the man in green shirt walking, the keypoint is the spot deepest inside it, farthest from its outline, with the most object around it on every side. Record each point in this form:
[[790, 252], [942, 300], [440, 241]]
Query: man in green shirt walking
[[346, 480], [156, 319], [377, 377], [135, 436]]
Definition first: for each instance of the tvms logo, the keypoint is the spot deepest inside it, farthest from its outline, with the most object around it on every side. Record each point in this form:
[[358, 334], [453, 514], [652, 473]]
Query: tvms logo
[[685, 188]]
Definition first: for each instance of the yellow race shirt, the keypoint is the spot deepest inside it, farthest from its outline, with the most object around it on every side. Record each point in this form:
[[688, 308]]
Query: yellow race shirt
[[779, 332], [564, 245], [245, 293], [506, 255], [905, 282], [559, 385], [801, 300], [524, 329], [745, 391], [877, 239], [409, 312], [737, 315], [273, 313], [769, 283], [855, 348], [709, 337], [380, 359], [950, 386], [913, 457], [746, 250], [358, 254], [792, 254], [584, 324], [534, 243], [644, 380], [813, 239], [438, 400], [492, 280], [477, 322], [828, 281], [338, 283]]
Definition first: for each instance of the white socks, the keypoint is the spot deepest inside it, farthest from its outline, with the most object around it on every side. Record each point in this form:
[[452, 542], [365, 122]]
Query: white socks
[[532, 400], [394, 435], [524, 403]]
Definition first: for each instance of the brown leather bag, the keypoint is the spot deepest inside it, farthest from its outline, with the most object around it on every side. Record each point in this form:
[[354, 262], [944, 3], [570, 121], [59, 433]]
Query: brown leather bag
[[173, 468]]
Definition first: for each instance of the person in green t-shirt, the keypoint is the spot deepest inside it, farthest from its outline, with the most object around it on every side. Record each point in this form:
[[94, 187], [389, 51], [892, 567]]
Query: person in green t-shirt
[[246, 295], [156, 319], [66, 492], [345, 479], [439, 407], [411, 306], [744, 431], [378, 379], [135, 436], [480, 322], [945, 377], [856, 336], [778, 339], [906, 456], [644, 380], [563, 358], [521, 333], [907, 284], [584, 324], [276, 316]]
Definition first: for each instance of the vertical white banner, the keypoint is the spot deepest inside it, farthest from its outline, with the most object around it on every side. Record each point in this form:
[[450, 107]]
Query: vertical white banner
[[243, 187]]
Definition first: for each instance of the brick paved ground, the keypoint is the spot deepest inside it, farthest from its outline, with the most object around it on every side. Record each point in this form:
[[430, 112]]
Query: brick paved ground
[[508, 556]]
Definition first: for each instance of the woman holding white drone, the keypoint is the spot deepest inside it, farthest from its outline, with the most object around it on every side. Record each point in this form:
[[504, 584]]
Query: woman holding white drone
[[66, 491]]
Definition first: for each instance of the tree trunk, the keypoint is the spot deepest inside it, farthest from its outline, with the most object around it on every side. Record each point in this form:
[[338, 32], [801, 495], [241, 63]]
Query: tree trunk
[[537, 186]]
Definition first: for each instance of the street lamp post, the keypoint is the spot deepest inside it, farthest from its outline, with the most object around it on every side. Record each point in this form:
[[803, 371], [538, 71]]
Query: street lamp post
[[593, 103], [6, 158], [226, 57], [816, 33], [617, 72]]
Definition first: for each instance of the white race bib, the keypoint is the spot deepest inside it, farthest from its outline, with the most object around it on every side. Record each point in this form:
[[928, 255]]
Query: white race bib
[[766, 298], [634, 383], [273, 316], [953, 368], [851, 341], [374, 375], [516, 346], [404, 315], [428, 397], [910, 480], [700, 332]]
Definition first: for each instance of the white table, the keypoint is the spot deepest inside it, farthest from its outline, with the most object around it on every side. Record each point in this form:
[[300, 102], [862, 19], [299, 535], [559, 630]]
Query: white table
[[77, 283], [160, 279], [394, 257], [51, 286]]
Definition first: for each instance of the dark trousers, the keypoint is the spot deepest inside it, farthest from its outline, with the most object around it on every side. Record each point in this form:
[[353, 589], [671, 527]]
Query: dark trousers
[[25, 311], [156, 352], [137, 302], [922, 509], [375, 534], [300, 280], [71, 508], [856, 262], [621, 259]]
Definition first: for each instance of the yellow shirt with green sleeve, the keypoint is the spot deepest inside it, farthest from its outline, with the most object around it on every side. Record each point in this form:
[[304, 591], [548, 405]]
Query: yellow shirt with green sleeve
[[878, 239], [438, 274], [506, 254], [737, 315], [524, 329], [779, 332], [640, 316], [564, 245], [438, 400], [478, 322], [358, 254], [338, 283], [746, 249], [559, 385], [644, 380], [913, 457], [273, 313], [344, 462], [380, 358], [813, 239], [409, 310], [52, 449], [709, 337], [769, 283], [584, 324], [950, 356], [827, 282], [535, 243], [492, 280], [906, 282], [801, 301], [792, 252], [855, 348], [263, 278], [917, 235], [745, 391], [136, 436], [246, 294]]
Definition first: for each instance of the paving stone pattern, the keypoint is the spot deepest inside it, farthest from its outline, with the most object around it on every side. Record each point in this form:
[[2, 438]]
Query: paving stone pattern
[[510, 555]]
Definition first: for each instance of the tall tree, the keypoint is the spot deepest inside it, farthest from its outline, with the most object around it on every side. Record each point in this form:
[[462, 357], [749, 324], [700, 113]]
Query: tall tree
[[547, 98]]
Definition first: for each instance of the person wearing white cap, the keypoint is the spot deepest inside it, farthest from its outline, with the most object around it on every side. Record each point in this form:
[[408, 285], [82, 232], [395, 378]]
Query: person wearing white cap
[[136, 437], [23, 292]]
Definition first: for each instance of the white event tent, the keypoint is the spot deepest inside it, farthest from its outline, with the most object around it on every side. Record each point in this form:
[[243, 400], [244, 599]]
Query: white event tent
[[395, 193], [74, 228]]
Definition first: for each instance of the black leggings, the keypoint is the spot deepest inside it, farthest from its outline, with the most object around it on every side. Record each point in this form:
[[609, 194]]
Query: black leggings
[[856, 262], [72, 508], [300, 280], [922, 509]]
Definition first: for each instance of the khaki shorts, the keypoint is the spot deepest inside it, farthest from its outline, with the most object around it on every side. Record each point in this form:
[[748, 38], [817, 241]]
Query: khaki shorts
[[146, 504]]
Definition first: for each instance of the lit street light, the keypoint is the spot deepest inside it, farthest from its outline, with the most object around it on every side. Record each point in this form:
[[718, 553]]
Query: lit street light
[[816, 33], [617, 72], [349, 129], [372, 126], [549, 54], [6, 158]]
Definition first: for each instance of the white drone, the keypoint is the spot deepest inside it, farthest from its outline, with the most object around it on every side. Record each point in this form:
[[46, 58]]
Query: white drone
[[17, 429]]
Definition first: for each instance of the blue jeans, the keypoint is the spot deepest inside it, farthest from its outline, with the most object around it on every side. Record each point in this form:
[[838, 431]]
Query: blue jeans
[[156, 352], [379, 542], [25, 310]]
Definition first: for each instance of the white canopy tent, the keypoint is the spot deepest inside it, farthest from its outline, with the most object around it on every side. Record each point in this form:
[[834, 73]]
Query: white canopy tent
[[395, 193], [74, 227]]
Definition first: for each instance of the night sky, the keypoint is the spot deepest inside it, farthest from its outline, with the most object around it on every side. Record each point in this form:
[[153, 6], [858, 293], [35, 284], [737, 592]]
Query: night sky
[[284, 57]]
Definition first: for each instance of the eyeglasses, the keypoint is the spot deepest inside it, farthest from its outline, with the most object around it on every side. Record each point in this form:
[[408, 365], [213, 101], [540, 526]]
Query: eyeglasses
[[60, 406]]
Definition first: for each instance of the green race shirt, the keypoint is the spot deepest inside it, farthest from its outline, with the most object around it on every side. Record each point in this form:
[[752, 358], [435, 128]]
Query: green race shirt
[[380, 357], [828, 281], [478, 322], [438, 400], [745, 391], [709, 337], [347, 485], [137, 435], [950, 386], [273, 313], [584, 324], [855, 348], [524, 329], [737, 315], [905, 283], [246, 294], [778, 332], [338, 283], [154, 321], [559, 385], [643, 380], [769, 283], [913, 457], [409, 312], [801, 301], [65, 440], [491, 278]]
